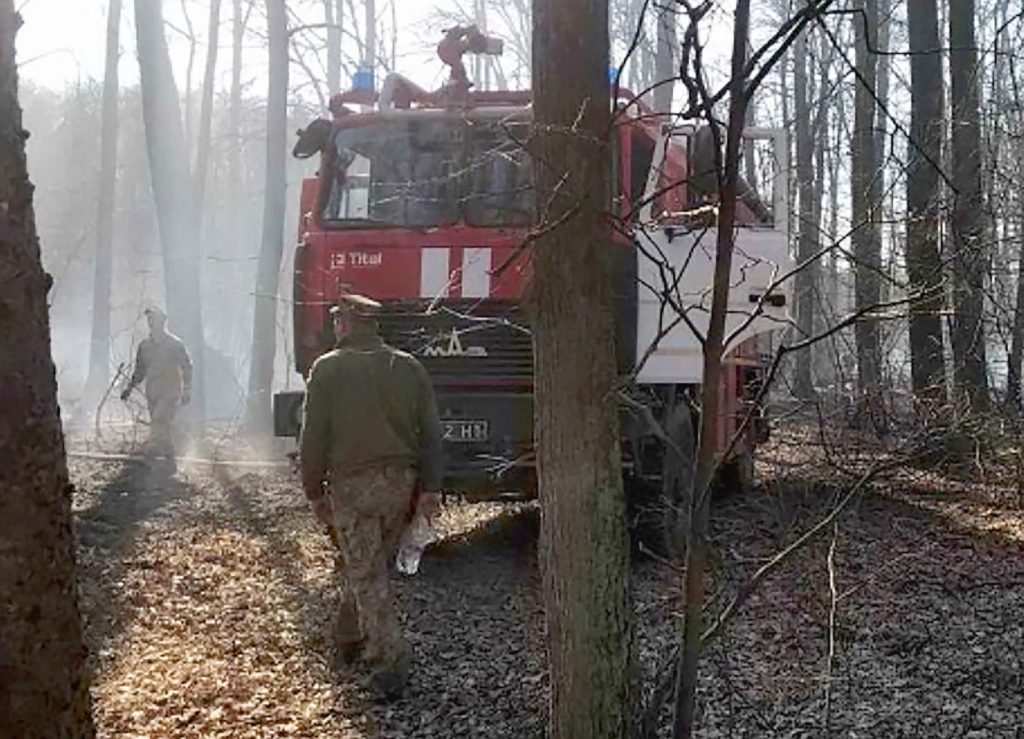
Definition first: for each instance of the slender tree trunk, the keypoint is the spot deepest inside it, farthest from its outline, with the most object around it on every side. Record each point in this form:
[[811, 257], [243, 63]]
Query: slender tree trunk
[[666, 60], [1013, 374], [43, 685], [264, 327], [970, 255], [175, 207], [370, 60], [206, 113], [882, 67], [866, 242], [583, 523], [99, 349], [685, 722], [924, 157], [333, 21], [235, 102], [807, 245], [1013, 381]]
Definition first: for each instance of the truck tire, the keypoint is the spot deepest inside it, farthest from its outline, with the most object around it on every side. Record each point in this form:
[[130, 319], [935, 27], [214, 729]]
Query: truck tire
[[736, 477], [677, 481], [657, 491]]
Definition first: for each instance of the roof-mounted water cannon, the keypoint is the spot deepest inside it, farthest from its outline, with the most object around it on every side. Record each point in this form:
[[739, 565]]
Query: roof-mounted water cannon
[[458, 41]]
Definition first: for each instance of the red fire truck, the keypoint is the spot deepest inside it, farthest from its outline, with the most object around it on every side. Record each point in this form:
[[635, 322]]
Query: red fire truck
[[422, 200]]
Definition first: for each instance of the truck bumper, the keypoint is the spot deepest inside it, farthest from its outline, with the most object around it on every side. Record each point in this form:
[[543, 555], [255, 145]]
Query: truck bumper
[[500, 465]]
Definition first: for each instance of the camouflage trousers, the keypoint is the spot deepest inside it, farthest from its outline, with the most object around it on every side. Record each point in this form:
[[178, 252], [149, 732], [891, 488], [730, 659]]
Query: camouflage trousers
[[370, 511], [162, 410]]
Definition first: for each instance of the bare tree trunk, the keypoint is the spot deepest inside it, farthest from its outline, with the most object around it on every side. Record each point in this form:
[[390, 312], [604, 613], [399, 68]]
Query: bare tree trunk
[[370, 60], [969, 251], [333, 21], [99, 348], [697, 537], [585, 549], [882, 66], [1013, 381], [43, 686], [264, 327], [175, 208], [924, 155], [666, 60], [235, 103], [807, 245], [866, 241], [239, 283], [206, 113]]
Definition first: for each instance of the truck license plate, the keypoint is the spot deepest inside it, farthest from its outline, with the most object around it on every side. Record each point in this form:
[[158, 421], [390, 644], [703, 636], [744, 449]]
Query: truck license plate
[[464, 430]]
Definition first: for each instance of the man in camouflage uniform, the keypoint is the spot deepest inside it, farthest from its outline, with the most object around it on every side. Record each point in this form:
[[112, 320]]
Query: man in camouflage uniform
[[163, 362], [370, 431]]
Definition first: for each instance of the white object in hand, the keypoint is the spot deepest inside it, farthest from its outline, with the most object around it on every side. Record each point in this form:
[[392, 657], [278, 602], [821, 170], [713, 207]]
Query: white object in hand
[[414, 540]]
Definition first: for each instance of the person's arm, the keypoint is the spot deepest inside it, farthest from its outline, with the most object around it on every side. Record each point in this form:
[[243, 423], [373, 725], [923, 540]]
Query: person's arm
[[138, 374], [316, 433], [431, 451]]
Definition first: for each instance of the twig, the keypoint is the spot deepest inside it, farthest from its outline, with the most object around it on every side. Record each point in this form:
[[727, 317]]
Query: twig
[[833, 600]]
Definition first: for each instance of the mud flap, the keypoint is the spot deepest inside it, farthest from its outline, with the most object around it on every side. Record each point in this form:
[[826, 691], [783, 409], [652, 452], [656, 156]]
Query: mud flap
[[288, 413]]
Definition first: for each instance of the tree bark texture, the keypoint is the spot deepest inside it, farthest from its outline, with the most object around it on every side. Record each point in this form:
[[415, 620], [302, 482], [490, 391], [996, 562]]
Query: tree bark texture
[[867, 248], [99, 348], [970, 254], [583, 523], [175, 206], [264, 327], [43, 684], [924, 158], [808, 238], [685, 721]]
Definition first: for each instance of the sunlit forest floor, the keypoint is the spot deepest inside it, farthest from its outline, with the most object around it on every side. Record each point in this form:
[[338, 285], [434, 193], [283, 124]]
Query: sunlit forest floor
[[208, 598]]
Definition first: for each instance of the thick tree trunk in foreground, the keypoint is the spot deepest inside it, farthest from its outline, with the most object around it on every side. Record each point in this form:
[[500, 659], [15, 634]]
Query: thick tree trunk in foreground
[[924, 267], [970, 254], [175, 207], [583, 522], [99, 348], [264, 326], [685, 722], [43, 686]]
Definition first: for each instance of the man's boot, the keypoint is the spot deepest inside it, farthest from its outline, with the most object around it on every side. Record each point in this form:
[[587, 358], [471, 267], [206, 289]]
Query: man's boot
[[347, 653], [389, 682]]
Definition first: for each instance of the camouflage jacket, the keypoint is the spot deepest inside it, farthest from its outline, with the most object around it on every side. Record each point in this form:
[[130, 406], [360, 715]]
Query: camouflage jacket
[[369, 405], [164, 364]]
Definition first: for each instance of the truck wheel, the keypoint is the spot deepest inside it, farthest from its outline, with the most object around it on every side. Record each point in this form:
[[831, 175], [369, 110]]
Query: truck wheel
[[677, 481], [736, 477]]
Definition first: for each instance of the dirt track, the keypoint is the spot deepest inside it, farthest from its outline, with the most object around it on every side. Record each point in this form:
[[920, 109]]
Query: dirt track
[[208, 598]]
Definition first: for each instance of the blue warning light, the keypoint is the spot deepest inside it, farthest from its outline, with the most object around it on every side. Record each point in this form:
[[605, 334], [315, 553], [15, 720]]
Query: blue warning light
[[362, 80]]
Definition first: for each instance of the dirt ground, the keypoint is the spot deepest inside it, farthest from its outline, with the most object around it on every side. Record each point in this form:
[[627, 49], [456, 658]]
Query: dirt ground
[[208, 598]]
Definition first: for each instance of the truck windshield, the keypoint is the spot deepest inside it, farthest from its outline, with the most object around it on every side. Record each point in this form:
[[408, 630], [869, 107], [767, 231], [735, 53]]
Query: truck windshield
[[430, 173]]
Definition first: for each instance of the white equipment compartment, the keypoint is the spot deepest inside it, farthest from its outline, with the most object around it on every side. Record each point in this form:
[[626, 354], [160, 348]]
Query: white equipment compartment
[[676, 258]]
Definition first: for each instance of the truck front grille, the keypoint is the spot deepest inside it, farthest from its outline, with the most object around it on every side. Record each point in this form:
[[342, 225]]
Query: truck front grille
[[462, 339]]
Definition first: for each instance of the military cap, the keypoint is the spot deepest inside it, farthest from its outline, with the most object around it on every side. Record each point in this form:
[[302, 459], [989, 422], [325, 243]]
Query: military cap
[[357, 305]]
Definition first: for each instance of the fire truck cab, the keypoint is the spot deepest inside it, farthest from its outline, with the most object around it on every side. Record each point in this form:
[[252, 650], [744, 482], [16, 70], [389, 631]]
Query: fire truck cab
[[423, 202]]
